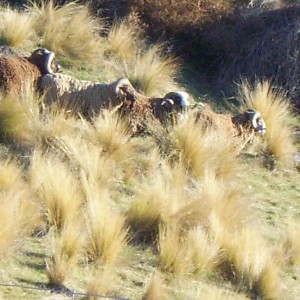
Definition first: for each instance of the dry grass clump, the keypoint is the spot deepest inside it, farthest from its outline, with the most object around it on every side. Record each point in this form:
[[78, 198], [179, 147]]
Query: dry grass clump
[[174, 255], [124, 39], [292, 242], [65, 247], [12, 119], [10, 173], [57, 189], [201, 151], [17, 217], [101, 282], [68, 30], [184, 252], [16, 28], [151, 71], [276, 111], [155, 201], [111, 134], [205, 254], [20, 117], [106, 231], [156, 289], [248, 261]]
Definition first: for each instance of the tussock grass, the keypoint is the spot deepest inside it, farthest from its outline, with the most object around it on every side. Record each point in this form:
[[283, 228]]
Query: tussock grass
[[56, 188], [111, 134], [17, 218], [202, 151], [155, 202], [106, 232], [66, 246], [101, 282], [211, 292], [204, 251], [276, 111], [87, 159], [250, 261], [12, 119], [16, 28], [151, 72], [10, 173], [20, 116], [54, 127], [124, 39], [292, 242], [156, 288], [174, 256], [69, 29]]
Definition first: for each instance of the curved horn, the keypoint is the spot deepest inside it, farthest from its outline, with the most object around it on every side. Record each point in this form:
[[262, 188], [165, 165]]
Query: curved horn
[[48, 61], [257, 121]]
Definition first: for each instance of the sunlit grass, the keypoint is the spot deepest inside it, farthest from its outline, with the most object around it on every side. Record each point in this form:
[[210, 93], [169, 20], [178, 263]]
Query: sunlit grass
[[111, 134], [106, 234], [102, 282], [156, 288], [292, 242], [156, 200], [57, 189], [151, 72], [124, 39], [68, 30], [16, 28], [10, 173], [64, 250], [204, 251], [249, 262], [202, 151], [174, 255], [17, 218]]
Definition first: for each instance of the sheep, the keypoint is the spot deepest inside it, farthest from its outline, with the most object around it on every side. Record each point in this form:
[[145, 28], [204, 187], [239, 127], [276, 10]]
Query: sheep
[[85, 97], [16, 73], [167, 110], [241, 127]]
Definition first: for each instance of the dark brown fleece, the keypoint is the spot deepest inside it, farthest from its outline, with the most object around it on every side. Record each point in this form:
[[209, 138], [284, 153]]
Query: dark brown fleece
[[16, 73]]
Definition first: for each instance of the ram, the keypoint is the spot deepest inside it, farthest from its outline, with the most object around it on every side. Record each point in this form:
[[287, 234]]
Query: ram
[[85, 97], [167, 110], [17, 72], [240, 127]]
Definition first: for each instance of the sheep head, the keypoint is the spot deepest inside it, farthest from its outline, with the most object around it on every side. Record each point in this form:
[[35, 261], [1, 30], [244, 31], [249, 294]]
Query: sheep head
[[180, 100], [44, 60], [125, 91], [256, 121]]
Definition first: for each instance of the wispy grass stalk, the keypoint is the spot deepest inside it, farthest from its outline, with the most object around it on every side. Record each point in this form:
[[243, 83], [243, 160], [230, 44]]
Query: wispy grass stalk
[[156, 288], [57, 189]]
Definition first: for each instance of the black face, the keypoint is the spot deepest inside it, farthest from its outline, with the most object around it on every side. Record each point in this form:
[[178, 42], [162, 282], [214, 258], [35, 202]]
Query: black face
[[44, 60]]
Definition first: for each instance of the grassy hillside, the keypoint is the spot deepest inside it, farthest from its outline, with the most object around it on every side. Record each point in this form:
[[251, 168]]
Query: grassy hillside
[[174, 214]]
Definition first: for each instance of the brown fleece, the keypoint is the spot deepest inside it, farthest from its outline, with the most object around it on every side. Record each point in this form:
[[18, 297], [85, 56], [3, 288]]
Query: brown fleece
[[16, 73]]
